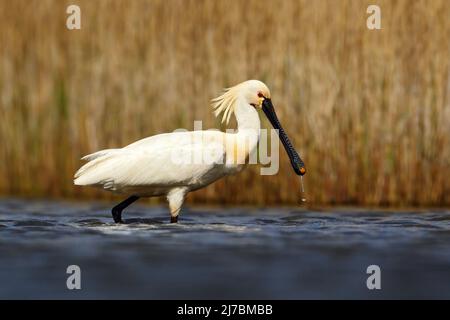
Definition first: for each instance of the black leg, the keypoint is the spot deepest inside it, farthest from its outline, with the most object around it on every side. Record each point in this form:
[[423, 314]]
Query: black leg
[[117, 210], [173, 219]]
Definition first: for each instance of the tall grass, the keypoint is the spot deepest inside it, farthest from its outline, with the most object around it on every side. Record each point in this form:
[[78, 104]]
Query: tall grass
[[369, 111]]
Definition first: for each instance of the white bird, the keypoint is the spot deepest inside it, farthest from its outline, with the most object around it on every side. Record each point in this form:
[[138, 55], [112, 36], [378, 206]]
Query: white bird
[[174, 164]]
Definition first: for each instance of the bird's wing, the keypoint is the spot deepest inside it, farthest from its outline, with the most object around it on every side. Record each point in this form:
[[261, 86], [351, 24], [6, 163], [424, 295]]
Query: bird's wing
[[163, 160]]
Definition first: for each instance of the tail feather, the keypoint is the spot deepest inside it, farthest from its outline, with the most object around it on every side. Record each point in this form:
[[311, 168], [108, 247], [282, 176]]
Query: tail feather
[[98, 154], [84, 175]]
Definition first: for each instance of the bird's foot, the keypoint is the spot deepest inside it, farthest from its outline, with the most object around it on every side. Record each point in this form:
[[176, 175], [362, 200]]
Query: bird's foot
[[117, 210], [117, 216], [173, 219]]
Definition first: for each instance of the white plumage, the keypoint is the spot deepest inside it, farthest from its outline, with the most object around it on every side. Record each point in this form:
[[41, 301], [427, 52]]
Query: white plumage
[[169, 165]]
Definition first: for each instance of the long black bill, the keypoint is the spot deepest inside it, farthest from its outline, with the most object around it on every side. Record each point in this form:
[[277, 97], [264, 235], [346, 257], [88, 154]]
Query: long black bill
[[296, 161]]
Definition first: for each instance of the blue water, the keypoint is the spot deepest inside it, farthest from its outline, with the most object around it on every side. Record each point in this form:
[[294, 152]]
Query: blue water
[[235, 253]]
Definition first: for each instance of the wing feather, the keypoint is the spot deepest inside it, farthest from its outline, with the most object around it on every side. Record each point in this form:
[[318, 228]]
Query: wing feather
[[162, 160]]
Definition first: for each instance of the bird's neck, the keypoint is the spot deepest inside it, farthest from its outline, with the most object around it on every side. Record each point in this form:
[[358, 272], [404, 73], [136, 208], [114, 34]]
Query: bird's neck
[[242, 143], [247, 117]]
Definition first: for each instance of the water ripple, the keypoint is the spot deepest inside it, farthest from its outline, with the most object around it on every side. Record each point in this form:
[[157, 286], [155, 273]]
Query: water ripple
[[221, 253]]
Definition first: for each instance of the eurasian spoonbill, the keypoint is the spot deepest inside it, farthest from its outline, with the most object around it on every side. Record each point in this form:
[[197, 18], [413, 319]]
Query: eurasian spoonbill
[[151, 166]]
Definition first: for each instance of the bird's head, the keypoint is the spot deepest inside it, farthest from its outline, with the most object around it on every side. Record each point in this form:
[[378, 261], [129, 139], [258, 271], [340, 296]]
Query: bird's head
[[255, 92], [257, 95]]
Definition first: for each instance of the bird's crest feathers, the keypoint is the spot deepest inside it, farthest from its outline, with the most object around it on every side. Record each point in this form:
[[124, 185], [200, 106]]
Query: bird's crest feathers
[[225, 104]]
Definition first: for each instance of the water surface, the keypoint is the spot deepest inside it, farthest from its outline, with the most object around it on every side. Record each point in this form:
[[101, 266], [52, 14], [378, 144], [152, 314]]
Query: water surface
[[259, 253]]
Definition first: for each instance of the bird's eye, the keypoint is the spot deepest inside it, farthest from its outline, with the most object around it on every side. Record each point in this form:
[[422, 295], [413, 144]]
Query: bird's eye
[[260, 95]]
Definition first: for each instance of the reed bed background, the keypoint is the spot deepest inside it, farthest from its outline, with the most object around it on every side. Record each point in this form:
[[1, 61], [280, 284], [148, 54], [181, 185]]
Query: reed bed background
[[369, 111]]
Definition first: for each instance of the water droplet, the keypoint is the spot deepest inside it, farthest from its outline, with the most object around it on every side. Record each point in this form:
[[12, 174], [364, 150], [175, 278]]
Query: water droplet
[[302, 190]]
